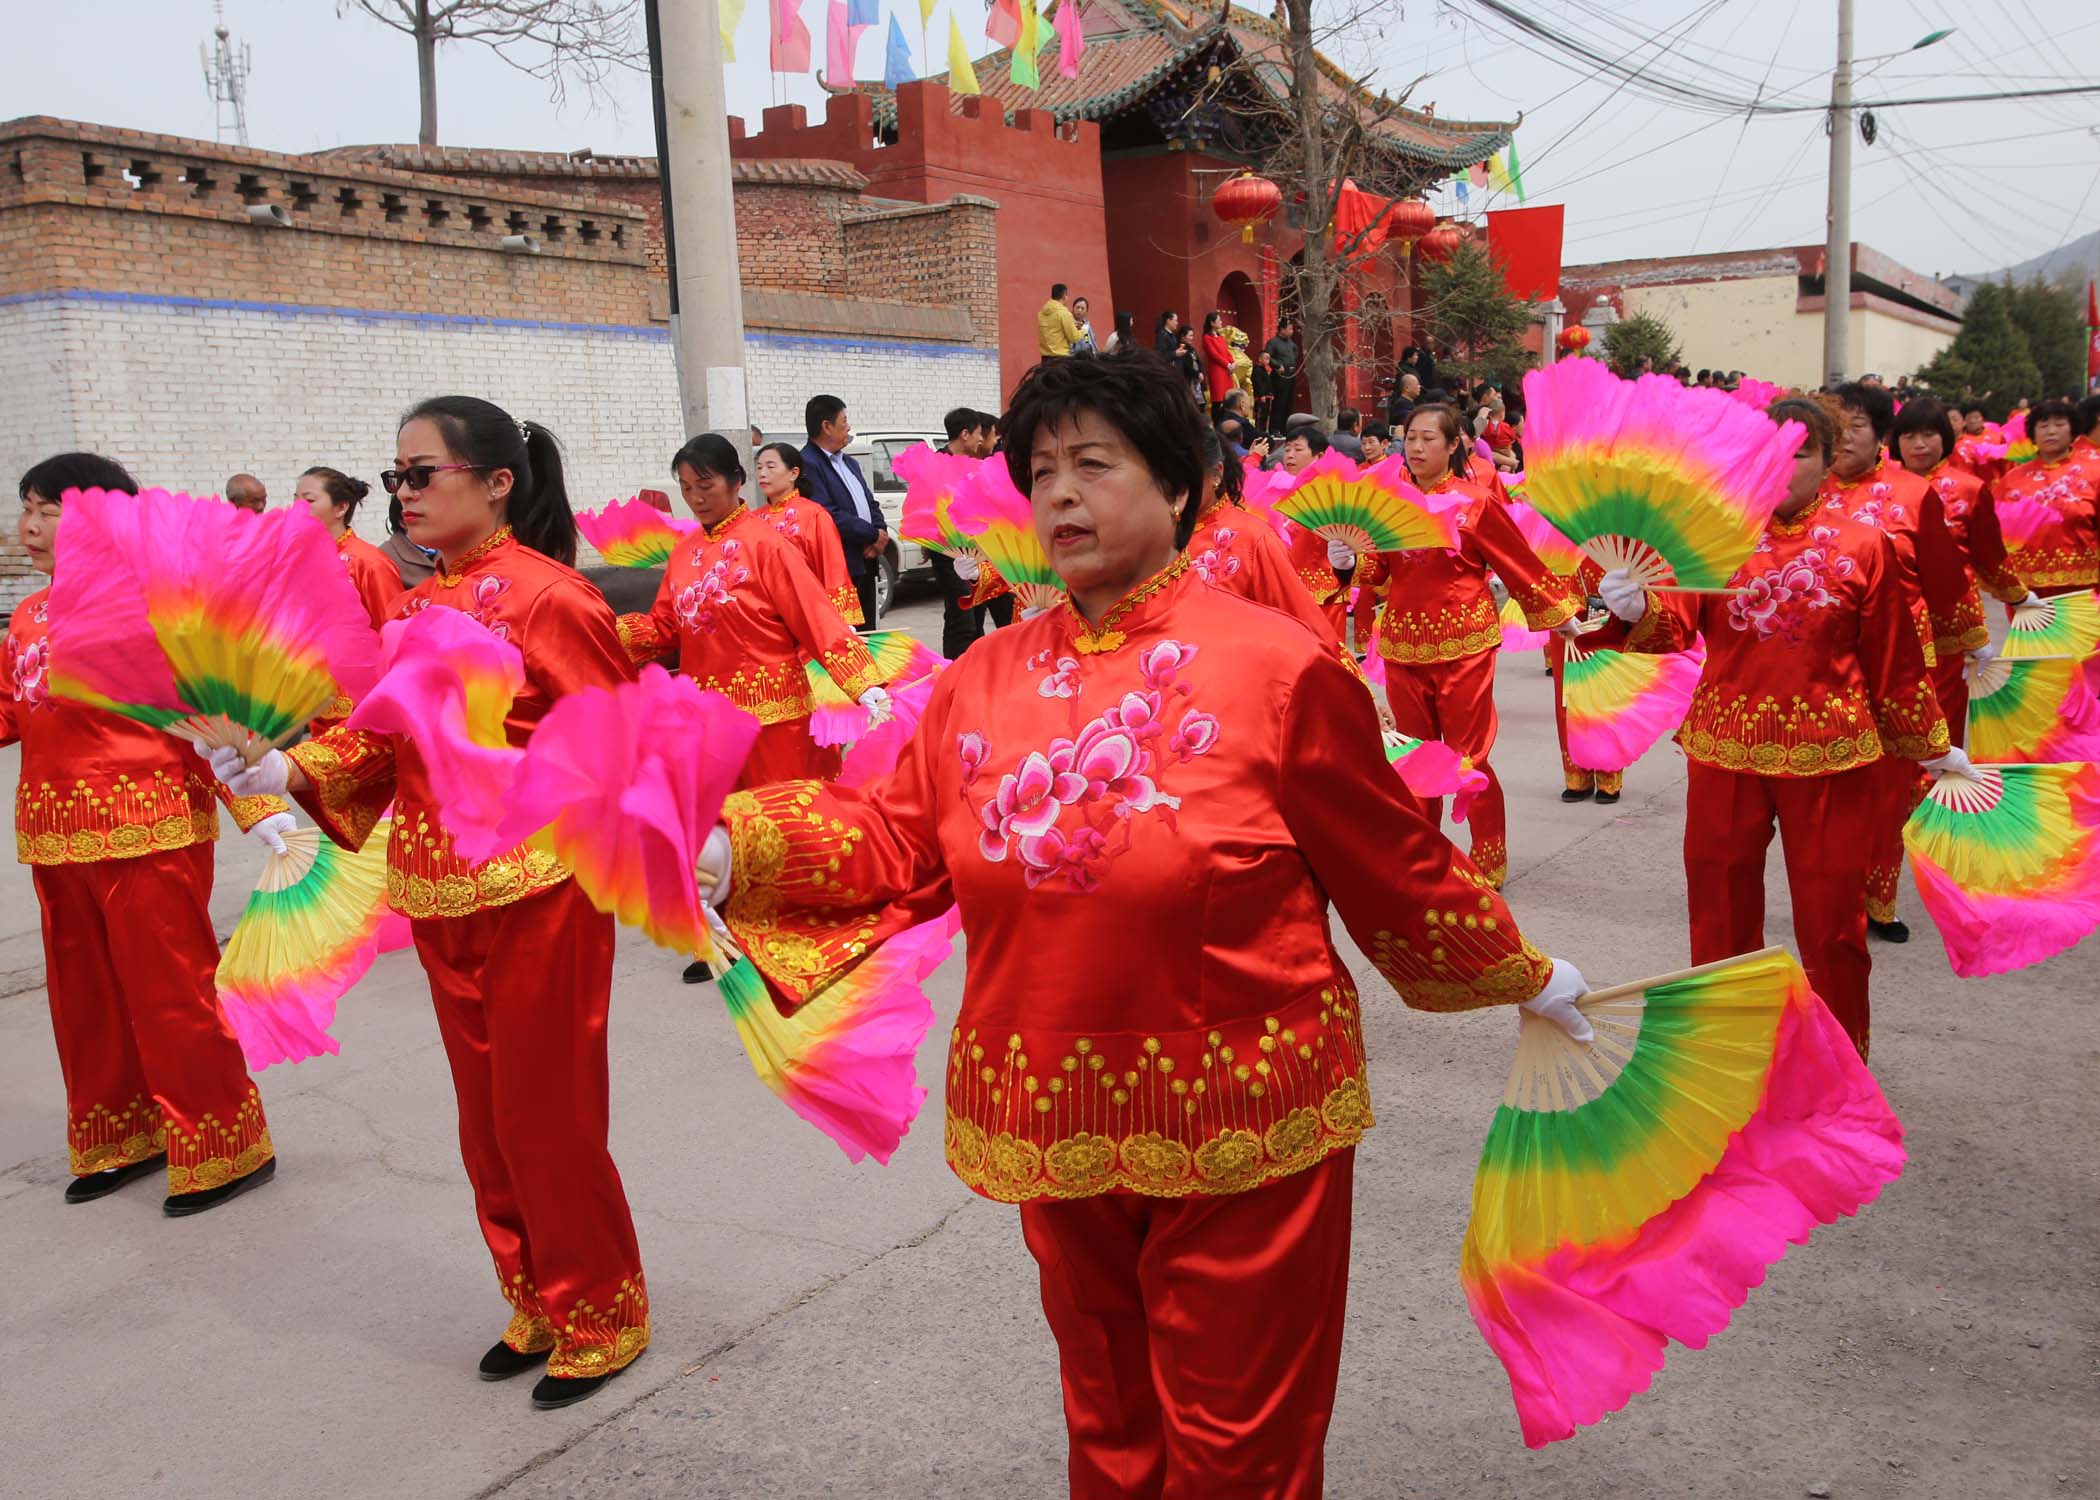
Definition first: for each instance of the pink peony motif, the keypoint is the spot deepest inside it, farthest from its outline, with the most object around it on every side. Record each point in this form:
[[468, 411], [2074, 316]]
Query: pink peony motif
[[699, 600], [1027, 803], [1198, 732], [1050, 854], [972, 750], [1138, 713], [1162, 661], [32, 674], [1037, 662], [482, 597], [1064, 682], [1214, 566], [1109, 762]]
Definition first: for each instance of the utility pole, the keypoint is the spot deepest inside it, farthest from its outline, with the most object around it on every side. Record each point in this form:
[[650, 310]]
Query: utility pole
[[692, 159], [1837, 250]]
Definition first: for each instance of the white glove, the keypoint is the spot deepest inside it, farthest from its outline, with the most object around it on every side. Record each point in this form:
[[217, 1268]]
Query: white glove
[[1340, 556], [1622, 596], [2032, 599], [967, 569], [270, 831], [1033, 610], [713, 868], [1984, 653], [1556, 1002], [1567, 630], [1954, 763], [876, 700], [268, 777]]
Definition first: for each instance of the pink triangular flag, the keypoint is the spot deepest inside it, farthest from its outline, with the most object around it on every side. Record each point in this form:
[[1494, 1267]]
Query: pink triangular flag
[[1071, 38]]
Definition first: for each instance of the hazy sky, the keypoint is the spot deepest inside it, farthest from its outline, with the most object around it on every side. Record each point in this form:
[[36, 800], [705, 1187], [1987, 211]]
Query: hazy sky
[[1956, 187]]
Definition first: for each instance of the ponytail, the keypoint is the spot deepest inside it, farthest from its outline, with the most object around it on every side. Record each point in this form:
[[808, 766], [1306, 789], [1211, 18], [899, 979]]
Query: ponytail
[[342, 489], [485, 435]]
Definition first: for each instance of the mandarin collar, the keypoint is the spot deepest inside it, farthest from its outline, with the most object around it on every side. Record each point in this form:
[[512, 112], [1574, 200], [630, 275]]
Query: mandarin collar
[[1139, 607]]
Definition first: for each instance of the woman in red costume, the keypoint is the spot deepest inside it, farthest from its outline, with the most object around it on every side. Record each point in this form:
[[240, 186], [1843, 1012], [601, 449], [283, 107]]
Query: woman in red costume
[[520, 962], [1217, 361], [1234, 549], [1441, 630], [1866, 486], [2064, 556], [742, 612], [796, 515], [1142, 802], [1814, 677], [1579, 783], [331, 497], [117, 824]]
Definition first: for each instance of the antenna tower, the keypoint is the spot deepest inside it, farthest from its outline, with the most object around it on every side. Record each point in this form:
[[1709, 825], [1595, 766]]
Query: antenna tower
[[226, 78]]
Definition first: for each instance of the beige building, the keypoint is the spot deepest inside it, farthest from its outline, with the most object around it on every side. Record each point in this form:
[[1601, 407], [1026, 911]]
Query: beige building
[[1761, 311]]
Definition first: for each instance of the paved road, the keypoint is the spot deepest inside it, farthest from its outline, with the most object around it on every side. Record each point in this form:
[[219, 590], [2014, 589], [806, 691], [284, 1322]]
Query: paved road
[[826, 1330]]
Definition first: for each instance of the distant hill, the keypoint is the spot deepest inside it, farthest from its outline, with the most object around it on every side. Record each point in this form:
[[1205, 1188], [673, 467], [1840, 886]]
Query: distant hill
[[2076, 263]]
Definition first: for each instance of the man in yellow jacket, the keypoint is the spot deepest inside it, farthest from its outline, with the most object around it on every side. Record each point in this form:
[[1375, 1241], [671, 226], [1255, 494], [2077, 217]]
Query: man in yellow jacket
[[1056, 330]]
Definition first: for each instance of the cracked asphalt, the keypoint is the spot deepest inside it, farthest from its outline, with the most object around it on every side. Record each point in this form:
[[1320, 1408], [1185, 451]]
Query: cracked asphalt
[[826, 1330]]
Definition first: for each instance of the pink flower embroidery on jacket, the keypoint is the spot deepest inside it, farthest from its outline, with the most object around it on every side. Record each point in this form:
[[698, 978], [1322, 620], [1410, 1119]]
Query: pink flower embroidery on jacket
[[1950, 497], [29, 671], [1779, 599], [1215, 563], [701, 600], [1067, 811]]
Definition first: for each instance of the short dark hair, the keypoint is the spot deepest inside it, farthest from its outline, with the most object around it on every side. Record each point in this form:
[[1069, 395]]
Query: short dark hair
[[1871, 400], [1975, 406], [1229, 429], [75, 471], [1314, 438], [1346, 419], [1057, 291], [2049, 411], [790, 455], [2088, 416], [711, 453], [1922, 415], [818, 411], [1811, 415], [1140, 395], [1232, 479], [488, 437], [1378, 430], [961, 420], [342, 489]]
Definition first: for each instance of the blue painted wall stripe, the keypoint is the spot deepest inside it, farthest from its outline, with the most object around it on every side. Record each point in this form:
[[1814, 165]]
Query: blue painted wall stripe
[[648, 334]]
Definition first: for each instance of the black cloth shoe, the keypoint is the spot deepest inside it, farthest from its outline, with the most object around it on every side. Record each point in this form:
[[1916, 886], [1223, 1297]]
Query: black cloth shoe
[[1577, 794], [1606, 799], [1888, 932], [698, 972], [556, 1391], [101, 1184], [180, 1204], [502, 1361]]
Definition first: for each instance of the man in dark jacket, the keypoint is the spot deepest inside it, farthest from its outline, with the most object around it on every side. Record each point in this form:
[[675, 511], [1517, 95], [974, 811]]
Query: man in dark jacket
[[843, 490]]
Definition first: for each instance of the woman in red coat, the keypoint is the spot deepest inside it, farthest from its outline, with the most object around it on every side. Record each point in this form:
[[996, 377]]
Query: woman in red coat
[[1217, 361], [519, 961], [1142, 802], [331, 497]]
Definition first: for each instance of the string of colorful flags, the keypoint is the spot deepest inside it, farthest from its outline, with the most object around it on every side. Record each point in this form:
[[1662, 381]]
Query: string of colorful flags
[[1014, 24], [1500, 173]]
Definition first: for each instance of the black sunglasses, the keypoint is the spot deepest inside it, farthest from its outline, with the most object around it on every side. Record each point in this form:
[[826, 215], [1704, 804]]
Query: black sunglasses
[[417, 476]]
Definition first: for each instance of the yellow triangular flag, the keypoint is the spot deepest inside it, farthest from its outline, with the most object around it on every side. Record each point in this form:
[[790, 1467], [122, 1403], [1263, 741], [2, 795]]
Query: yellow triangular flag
[[926, 11], [1498, 174], [732, 14], [962, 78]]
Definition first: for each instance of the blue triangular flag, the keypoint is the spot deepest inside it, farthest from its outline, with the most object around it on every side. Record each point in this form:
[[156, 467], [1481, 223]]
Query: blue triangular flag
[[1460, 184], [896, 63], [863, 12]]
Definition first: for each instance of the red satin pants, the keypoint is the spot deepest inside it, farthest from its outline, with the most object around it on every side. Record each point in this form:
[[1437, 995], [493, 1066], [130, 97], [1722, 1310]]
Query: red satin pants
[[1826, 826], [521, 993], [150, 1064], [1454, 701], [1578, 778], [1199, 1338], [785, 752]]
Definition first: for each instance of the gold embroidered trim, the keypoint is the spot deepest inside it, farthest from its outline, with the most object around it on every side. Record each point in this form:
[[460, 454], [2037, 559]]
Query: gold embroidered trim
[[773, 692], [1491, 858], [1185, 1115], [590, 1342], [218, 1152], [339, 780], [1794, 738], [2055, 567], [453, 576], [640, 639], [846, 600], [1099, 640], [104, 1138], [123, 819], [1408, 653], [249, 811], [425, 877], [784, 855], [529, 1333]]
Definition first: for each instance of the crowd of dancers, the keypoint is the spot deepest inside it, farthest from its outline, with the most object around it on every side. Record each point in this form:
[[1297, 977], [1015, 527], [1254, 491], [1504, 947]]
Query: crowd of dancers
[[1141, 803]]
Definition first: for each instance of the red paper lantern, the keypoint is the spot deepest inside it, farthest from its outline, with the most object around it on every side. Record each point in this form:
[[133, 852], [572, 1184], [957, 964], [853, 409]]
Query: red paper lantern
[[1410, 219], [1573, 340], [1440, 243], [1247, 201]]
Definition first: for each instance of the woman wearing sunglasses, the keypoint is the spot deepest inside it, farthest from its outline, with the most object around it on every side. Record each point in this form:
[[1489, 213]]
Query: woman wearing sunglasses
[[520, 963]]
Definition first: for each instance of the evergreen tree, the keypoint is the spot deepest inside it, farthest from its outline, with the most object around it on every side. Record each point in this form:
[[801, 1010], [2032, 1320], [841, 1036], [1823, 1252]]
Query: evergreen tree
[[1469, 309], [2053, 319], [1989, 359], [1642, 336]]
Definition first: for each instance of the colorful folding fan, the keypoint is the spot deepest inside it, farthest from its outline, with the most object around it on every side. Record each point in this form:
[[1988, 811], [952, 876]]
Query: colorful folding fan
[[2019, 447], [994, 517], [2020, 520], [2008, 863], [874, 751], [1633, 1189], [2036, 709], [633, 534], [448, 685], [1619, 703], [932, 480], [2068, 625], [1432, 770], [900, 660], [1370, 510], [623, 785], [310, 930], [1672, 484], [1554, 550], [1758, 393], [216, 624], [1517, 634], [847, 1059]]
